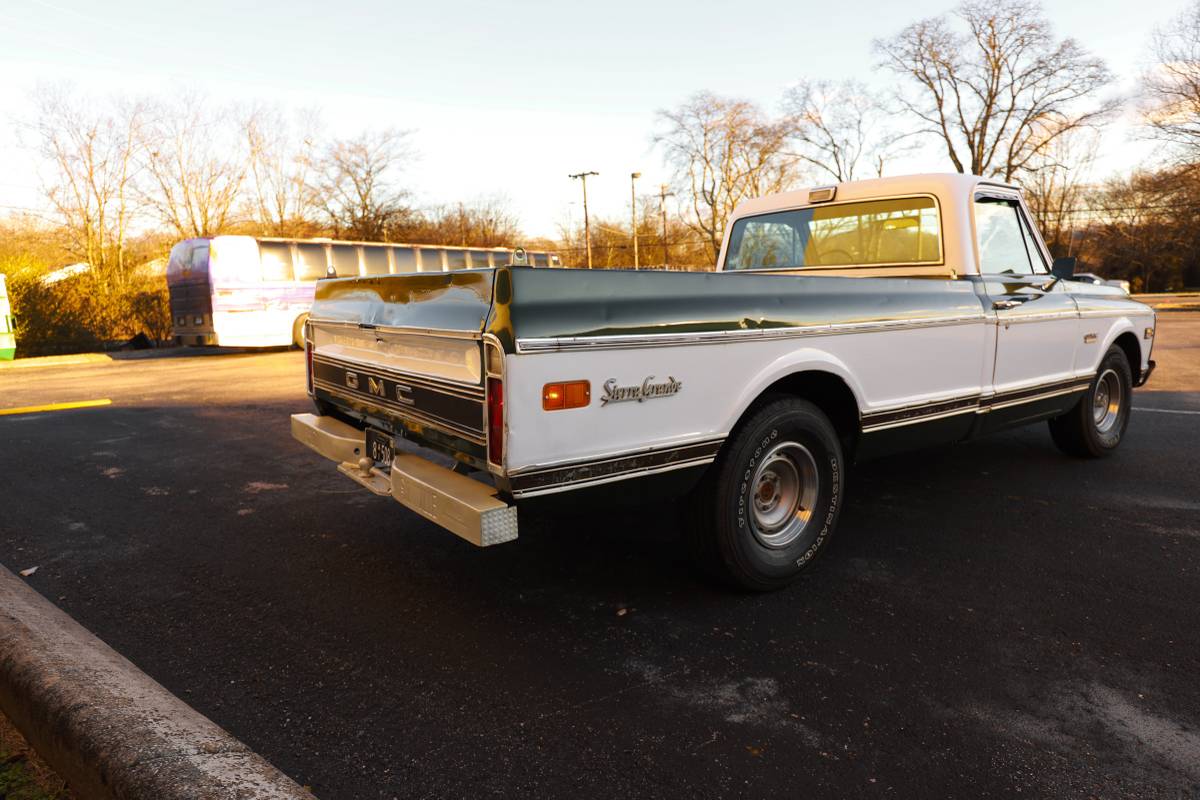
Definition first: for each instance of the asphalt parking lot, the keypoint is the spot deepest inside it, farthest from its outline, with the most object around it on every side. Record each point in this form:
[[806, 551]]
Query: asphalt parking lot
[[992, 618]]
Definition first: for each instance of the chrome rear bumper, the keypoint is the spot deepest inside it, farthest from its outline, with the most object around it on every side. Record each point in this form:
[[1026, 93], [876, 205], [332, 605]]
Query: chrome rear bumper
[[463, 506]]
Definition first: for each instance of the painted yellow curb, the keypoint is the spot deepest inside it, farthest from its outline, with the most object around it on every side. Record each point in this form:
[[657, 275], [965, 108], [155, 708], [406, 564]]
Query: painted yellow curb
[[55, 407]]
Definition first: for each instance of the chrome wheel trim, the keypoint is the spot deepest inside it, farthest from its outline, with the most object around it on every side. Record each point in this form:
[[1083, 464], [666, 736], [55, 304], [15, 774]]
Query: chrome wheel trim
[[783, 494], [1106, 401]]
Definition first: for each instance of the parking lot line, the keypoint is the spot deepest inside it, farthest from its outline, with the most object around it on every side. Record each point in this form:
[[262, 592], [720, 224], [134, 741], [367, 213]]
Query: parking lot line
[[55, 407], [1165, 410]]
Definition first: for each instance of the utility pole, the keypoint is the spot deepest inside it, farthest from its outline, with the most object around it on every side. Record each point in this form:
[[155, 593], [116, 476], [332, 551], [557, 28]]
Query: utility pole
[[587, 227], [633, 176], [663, 194]]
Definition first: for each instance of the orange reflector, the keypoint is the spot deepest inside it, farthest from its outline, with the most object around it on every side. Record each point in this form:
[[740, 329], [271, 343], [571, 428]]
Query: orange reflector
[[569, 394]]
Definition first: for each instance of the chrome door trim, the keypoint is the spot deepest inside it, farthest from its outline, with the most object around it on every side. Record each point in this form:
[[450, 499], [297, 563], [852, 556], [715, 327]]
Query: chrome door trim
[[621, 341]]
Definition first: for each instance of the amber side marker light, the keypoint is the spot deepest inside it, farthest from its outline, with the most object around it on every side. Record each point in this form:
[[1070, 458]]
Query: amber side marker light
[[569, 394]]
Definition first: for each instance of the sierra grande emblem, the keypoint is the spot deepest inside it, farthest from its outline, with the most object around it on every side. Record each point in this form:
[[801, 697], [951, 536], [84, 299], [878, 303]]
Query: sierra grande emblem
[[647, 390]]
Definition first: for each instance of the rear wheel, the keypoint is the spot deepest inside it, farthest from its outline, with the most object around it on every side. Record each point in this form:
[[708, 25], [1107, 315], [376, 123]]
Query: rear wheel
[[770, 502], [298, 331], [1094, 427]]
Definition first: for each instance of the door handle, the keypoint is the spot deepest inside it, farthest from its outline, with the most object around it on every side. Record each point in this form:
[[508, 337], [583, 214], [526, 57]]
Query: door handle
[[1000, 305]]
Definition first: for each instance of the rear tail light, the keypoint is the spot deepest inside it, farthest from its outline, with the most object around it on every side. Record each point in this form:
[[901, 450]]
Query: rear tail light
[[568, 394], [308, 364], [495, 419]]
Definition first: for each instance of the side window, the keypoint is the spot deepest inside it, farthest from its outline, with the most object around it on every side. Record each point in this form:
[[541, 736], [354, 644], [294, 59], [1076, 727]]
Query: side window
[[1001, 237], [456, 259], [1035, 252], [406, 259], [310, 262], [375, 260], [200, 257], [345, 260], [431, 260], [276, 259]]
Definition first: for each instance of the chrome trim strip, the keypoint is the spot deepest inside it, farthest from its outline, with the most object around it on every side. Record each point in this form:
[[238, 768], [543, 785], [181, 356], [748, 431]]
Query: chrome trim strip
[[1032, 398], [1016, 318], [566, 487], [398, 329], [966, 404], [883, 426], [619, 341], [614, 456], [467, 391], [540, 480]]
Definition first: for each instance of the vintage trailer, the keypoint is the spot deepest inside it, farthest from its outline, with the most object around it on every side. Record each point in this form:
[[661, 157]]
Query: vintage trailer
[[843, 322]]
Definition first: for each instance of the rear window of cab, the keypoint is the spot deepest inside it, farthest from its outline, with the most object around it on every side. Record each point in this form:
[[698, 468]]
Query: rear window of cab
[[905, 230]]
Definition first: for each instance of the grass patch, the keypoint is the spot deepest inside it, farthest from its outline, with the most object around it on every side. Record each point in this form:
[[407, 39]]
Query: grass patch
[[24, 776]]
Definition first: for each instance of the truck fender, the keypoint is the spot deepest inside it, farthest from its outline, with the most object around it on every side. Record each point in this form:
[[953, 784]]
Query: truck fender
[[1121, 326], [806, 359]]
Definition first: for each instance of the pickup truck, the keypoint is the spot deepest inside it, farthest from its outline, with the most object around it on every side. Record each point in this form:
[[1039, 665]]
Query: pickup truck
[[842, 323]]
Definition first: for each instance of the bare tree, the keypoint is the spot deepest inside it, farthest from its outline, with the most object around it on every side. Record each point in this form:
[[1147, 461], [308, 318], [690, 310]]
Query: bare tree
[[1057, 188], [354, 185], [722, 151], [993, 83], [1172, 88], [839, 128], [92, 152], [194, 165], [282, 155], [485, 222]]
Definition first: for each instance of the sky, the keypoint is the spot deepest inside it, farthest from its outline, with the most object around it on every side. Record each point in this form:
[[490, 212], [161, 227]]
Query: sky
[[502, 97]]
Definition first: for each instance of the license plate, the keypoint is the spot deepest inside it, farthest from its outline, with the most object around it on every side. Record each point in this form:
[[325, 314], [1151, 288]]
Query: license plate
[[380, 448]]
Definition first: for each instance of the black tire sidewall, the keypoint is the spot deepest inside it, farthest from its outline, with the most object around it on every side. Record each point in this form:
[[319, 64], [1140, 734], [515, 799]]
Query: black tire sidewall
[[754, 564], [1099, 442]]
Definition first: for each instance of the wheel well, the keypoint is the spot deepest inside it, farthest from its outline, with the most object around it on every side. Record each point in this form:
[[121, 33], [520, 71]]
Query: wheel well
[[830, 394], [1129, 344]]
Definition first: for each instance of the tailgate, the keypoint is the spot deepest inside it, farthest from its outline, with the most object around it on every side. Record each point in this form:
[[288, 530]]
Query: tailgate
[[406, 349]]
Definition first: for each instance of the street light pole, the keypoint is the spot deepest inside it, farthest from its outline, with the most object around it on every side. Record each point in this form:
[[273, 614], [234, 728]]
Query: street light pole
[[587, 227], [663, 194], [633, 176]]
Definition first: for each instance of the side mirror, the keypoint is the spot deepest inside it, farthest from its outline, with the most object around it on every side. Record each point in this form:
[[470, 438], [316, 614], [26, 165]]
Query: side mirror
[[1064, 268]]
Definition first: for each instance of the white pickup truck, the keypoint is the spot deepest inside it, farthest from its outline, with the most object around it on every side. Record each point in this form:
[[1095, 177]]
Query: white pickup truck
[[843, 322]]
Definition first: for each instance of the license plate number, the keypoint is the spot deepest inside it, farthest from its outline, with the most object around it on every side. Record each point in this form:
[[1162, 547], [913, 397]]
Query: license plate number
[[380, 448]]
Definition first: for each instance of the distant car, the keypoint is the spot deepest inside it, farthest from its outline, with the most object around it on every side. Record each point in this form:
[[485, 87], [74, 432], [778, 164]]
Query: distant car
[[1093, 278]]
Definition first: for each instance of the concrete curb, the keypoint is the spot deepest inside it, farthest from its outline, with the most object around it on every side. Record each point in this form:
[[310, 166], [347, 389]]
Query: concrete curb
[[104, 725]]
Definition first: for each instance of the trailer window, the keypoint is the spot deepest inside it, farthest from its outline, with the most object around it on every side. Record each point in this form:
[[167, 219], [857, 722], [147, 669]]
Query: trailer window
[[456, 259], [311, 263], [375, 260], [869, 233], [405, 259], [345, 260], [431, 260], [276, 260]]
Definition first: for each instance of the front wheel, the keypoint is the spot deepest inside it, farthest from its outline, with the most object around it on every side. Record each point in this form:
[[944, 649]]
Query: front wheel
[[770, 502], [1094, 426]]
